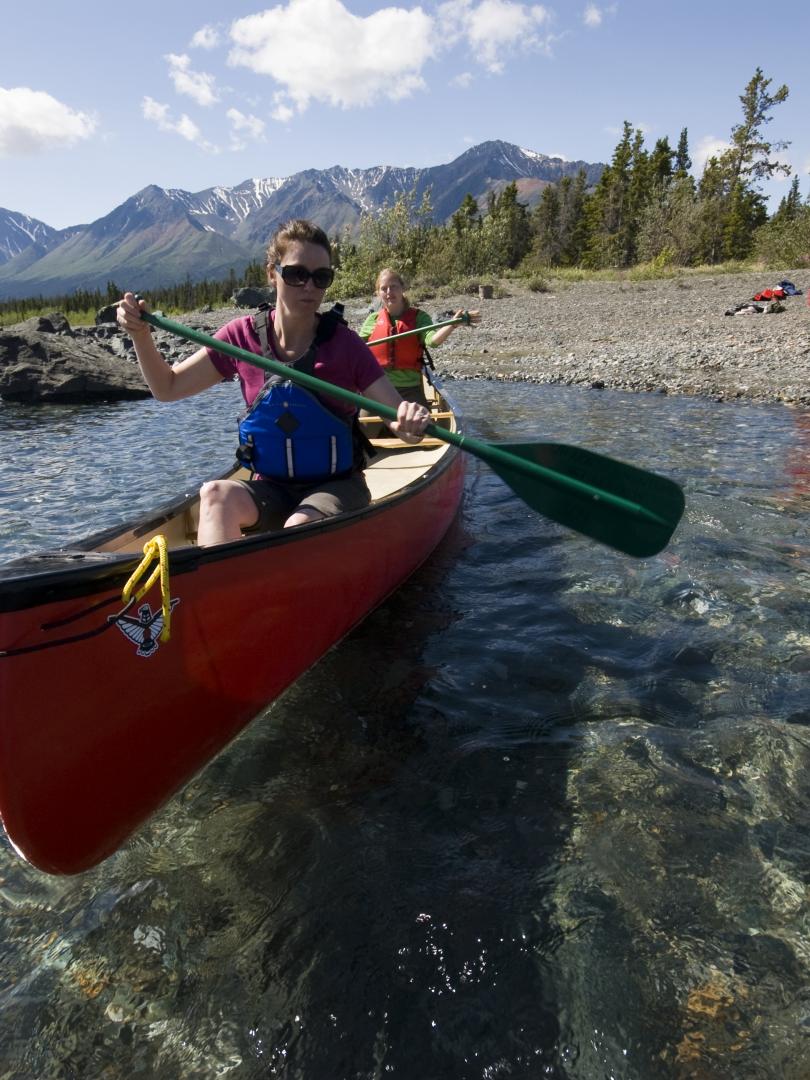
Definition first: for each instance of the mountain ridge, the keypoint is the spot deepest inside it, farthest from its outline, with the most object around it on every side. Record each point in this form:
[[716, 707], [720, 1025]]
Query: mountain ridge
[[160, 236]]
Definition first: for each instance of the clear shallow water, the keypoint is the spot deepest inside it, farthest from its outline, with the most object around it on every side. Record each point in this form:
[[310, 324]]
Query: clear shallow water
[[544, 814]]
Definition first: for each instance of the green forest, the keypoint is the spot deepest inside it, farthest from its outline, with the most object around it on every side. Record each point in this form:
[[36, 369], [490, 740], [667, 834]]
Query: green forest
[[647, 216]]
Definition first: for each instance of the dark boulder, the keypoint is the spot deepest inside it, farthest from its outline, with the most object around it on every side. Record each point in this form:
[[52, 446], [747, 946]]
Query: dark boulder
[[108, 314], [55, 323], [49, 365], [251, 296]]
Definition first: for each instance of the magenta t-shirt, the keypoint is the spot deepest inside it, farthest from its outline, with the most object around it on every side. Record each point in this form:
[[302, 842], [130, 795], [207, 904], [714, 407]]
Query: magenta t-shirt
[[344, 360]]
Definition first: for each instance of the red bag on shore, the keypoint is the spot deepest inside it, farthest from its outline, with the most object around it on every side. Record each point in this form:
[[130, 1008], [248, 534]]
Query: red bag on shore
[[771, 294]]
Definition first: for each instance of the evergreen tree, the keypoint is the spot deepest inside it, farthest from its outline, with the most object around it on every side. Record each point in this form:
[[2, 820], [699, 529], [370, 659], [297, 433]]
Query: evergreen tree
[[572, 218], [467, 216], [712, 197], [683, 163], [790, 205], [749, 158], [736, 207], [611, 212], [461, 250], [640, 191], [506, 230], [546, 246], [745, 211], [661, 167]]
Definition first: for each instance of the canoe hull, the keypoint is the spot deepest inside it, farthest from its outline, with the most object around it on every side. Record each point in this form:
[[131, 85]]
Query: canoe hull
[[98, 732]]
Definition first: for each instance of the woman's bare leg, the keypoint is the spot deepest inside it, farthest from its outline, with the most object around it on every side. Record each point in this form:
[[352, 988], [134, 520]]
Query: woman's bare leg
[[225, 509], [303, 517]]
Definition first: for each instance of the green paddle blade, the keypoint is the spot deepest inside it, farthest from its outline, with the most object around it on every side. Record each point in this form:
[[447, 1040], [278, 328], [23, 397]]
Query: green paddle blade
[[627, 508]]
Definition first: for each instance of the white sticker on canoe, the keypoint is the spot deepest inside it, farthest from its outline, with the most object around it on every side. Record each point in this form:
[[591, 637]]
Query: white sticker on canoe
[[144, 629]]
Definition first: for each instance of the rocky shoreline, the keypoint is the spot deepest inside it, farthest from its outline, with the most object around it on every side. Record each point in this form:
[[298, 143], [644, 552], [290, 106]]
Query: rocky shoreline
[[667, 336], [664, 336]]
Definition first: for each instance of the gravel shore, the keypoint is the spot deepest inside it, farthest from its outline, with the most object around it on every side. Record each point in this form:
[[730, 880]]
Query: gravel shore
[[665, 336]]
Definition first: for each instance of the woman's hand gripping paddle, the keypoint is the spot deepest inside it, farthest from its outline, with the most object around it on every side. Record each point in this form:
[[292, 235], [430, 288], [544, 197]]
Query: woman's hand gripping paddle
[[627, 508]]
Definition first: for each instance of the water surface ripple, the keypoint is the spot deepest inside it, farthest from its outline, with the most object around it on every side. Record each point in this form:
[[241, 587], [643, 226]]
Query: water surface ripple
[[544, 814]]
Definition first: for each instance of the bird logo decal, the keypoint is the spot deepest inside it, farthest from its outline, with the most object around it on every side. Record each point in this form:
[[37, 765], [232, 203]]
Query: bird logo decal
[[144, 629]]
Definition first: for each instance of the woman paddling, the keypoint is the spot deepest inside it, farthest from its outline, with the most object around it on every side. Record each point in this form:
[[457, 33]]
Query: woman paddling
[[404, 360], [311, 465]]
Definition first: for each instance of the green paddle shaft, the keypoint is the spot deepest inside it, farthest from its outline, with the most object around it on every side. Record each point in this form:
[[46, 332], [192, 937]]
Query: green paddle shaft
[[625, 507], [465, 318]]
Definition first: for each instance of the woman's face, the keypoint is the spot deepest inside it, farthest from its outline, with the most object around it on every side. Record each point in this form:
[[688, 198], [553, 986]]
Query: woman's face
[[300, 297], [391, 294]]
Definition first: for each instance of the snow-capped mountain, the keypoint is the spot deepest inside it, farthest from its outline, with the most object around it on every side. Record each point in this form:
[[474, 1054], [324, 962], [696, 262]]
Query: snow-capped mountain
[[161, 236], [19, 232]]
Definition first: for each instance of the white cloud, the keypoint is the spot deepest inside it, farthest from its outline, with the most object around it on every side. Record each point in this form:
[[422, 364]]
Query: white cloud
[[244, 129], [207, 37], [708, 147], [32, 122], [195, 84], [592, 16], [463, 80], [185, 126], [493, 28], [280, 110], [318, 51]]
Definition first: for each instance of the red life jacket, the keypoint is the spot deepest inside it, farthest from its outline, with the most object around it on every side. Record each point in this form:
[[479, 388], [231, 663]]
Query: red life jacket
[[405, 354]]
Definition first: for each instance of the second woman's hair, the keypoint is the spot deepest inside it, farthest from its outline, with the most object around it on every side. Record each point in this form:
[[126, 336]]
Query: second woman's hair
[[392, 273]]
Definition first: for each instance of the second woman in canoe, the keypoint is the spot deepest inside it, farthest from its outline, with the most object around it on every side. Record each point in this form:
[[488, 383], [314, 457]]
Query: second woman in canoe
[[403, 360]]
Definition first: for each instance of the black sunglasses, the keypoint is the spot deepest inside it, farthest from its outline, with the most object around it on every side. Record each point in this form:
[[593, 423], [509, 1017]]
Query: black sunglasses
[[296, 275]]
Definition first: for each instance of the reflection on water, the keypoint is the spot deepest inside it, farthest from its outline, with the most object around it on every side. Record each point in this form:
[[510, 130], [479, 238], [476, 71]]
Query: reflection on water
[[544, 814]]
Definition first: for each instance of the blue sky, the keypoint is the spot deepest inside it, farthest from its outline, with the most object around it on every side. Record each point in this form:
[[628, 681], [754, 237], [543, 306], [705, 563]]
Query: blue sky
[[99, 100]]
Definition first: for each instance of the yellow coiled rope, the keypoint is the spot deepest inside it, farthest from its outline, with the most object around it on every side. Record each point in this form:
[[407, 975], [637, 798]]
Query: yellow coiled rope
[[153, 549]]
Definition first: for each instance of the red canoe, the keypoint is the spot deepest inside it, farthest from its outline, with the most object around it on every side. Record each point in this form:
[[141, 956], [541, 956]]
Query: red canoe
[[100, 721]]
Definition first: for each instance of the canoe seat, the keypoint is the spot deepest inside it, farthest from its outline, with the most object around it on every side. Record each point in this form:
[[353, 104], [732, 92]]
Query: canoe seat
[[379, 420], [398, 444]]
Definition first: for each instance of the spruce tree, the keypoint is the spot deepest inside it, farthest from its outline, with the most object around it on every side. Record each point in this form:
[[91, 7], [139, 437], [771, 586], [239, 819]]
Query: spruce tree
[[545, 221], [712, 198], [683, 163], [749, 157], [745, 211], [661, 167], [506, 229], [731, 204], [613, 212], [790, 205], [572, 220], [467, 216]]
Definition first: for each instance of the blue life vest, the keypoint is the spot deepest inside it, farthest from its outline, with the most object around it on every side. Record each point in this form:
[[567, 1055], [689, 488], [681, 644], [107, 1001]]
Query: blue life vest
[[287, 434]]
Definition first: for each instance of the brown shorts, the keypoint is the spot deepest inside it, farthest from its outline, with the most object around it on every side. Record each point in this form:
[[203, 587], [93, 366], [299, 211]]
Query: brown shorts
[[276, 501]]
